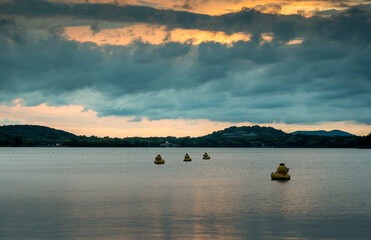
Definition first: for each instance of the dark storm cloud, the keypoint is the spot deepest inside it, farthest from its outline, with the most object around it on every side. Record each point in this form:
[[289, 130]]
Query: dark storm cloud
[[352, 26], [326, 78], [9, 31], [246, 20], [328, 12], [348, 25], [111, 12]]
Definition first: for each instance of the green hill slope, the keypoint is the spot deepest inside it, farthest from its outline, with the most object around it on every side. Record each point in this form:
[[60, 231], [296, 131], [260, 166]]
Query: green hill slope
[[29, 135], [246, 136], [332, 133], [248, 131]]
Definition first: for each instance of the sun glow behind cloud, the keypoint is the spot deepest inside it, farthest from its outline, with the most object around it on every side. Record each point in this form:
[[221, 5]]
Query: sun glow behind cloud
[[295, 41], [151, 33], [72, 117], [304, 7]]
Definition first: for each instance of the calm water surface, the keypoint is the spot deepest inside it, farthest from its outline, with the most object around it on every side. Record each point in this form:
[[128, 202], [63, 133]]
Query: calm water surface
[[118, 193]]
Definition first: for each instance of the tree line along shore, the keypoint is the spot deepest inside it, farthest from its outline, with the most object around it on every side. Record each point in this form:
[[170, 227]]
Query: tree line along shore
[[248, 136]]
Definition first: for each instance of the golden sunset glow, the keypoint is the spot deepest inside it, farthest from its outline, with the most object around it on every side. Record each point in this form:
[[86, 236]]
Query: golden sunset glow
[[71, 118], [151, 33], [196, 37], [306, 8], [295, 41], [267, 37]]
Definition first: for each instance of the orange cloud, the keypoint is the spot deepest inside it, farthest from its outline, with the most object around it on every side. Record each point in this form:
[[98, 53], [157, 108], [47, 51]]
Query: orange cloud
[[150, 33], [295, 41], [154, 34], [74, 119], [267, 37], [304, 7], [196, 37]]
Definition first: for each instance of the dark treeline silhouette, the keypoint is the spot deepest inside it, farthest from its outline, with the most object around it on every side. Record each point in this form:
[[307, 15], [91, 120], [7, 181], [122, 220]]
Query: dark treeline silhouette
[[365, 142], [32, 135], [280, 141], [254, 136]]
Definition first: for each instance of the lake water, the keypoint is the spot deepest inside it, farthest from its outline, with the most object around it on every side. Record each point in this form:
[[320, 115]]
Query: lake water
[[119, 193]]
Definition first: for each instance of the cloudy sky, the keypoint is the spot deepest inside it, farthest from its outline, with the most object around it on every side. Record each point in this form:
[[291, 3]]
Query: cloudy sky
[[185, 67]]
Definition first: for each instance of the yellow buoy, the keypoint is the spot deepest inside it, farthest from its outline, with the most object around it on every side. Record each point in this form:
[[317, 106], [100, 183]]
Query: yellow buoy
[[187, 158], [159, 160], [281, 173], [205, 156]]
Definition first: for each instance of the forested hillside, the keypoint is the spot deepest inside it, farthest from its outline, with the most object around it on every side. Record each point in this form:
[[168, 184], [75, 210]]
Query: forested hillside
[[247, 136], [332, 133], [32, 135]]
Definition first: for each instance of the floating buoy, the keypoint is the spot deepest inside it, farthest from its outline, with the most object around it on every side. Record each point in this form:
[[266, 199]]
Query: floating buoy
[[159, 160], [187, 158], [281, 173], [205, 156]]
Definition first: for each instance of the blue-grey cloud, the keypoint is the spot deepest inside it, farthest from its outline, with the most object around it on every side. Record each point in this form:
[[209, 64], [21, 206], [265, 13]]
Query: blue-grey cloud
[[326, 78], [350, 25], [9, 31]]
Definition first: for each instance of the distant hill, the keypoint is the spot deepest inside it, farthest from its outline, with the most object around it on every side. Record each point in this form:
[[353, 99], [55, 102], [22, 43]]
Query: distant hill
[[332, 133], [28, 135], [247, 131], [246, 136]]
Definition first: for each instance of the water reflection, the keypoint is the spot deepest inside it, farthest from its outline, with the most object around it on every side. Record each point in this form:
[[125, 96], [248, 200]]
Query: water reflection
[[79, 194]]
